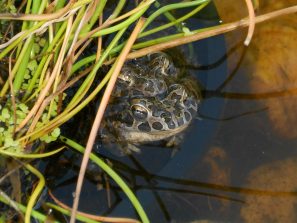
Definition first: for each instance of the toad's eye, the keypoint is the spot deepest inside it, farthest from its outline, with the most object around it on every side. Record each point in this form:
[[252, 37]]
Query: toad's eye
[[139, 112]]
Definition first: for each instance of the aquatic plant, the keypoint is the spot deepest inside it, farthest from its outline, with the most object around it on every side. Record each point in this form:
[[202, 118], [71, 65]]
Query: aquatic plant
[[45, 47]]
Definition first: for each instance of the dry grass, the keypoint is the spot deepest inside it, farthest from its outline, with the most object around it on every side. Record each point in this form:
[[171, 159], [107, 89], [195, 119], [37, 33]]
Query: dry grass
[[96, 124]]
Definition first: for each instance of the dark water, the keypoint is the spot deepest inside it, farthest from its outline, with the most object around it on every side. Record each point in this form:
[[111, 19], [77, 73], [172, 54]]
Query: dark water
[[159, 176], [237, 161]]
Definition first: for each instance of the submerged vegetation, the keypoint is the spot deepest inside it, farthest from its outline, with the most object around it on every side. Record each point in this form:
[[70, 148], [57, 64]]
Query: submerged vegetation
[[47, 48]]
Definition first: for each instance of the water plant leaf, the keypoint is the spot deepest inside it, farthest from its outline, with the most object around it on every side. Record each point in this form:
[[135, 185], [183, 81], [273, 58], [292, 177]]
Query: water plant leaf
[[113, 175], [5, 151]]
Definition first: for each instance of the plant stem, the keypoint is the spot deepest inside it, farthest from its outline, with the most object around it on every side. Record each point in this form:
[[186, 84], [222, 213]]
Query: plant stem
[[117, 67], [36, 192], [113, 175], [35, 214]]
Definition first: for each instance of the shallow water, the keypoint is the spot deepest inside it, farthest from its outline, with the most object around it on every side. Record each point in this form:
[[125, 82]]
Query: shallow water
[[238, 161]]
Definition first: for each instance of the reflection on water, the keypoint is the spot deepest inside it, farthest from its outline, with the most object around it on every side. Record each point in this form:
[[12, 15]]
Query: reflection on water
[[262, 146], [235, 166]]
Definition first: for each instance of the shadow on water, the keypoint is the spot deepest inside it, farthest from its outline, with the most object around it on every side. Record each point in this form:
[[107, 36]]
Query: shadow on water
[[211, 176]]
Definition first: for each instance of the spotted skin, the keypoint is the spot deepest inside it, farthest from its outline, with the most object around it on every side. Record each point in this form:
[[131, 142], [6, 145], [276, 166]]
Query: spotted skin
[[150, 102]]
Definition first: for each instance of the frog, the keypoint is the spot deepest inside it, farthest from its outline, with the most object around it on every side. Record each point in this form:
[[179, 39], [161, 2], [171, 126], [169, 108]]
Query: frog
[[152, 101]]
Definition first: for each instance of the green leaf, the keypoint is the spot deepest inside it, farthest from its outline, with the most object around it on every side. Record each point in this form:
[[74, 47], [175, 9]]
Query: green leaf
[[32, 65], [5, 113], [56, 132], [23, 107]]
